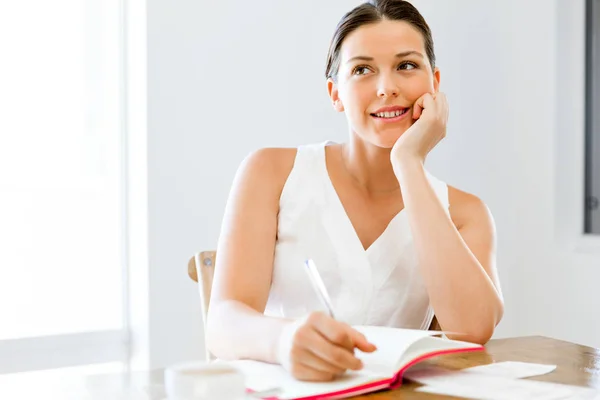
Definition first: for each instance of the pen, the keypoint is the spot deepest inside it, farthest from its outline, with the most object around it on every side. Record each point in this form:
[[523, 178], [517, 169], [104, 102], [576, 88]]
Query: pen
[[318, 285]]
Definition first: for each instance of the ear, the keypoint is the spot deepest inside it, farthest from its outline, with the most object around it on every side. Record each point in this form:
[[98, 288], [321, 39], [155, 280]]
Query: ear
[[436, 80], [334, 95]]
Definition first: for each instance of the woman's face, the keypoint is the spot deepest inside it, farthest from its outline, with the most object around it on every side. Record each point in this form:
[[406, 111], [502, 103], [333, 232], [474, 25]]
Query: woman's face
[[382, 65]]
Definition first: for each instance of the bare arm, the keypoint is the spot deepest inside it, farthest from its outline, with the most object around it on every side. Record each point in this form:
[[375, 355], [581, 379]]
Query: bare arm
[[236, 326], [316, 347], [457, 258]]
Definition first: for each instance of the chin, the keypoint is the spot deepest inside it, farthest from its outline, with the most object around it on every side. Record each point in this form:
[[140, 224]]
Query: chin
[[385, 140]]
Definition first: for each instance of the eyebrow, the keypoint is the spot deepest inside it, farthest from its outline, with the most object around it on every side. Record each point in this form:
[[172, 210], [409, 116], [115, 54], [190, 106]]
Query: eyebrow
[[399, 55]]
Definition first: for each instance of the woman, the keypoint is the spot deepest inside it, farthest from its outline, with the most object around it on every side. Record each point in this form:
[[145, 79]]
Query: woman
[[393, 244]]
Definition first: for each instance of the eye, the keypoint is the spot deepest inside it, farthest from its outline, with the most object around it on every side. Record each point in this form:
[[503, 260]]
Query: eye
[[407, 65], [360, 70]]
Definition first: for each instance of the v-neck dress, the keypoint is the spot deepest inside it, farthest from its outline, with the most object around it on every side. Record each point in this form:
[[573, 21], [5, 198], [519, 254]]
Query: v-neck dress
[[381, 285]]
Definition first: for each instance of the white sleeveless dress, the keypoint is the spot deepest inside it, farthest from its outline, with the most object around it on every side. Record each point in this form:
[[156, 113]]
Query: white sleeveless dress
[[379, 286]]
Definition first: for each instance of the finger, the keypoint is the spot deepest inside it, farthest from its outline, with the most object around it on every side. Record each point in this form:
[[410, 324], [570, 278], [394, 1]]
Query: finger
[[311, 360], [361, 342], [334, 331], [423, 102], [305, 373], [336, 355], [441, 104], [445, 106], [418, 108], [429, 101]]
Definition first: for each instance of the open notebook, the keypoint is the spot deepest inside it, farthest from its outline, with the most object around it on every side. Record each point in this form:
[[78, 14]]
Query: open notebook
[[397, 350]]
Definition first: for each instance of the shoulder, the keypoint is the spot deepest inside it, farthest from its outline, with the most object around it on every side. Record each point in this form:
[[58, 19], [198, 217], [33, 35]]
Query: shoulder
[[466, 208], [270, 159], [266, 169]]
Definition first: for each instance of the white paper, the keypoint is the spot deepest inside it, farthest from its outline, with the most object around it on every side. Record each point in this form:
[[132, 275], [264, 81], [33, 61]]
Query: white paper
[[513, 369], [391, 344], [498, 388], [497, 382], [428, 374]]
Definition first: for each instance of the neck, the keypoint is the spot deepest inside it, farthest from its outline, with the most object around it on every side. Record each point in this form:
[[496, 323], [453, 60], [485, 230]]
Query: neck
[[369, 166]]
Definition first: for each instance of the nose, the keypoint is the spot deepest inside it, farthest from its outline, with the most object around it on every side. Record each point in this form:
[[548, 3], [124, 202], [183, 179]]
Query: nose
[[387, 87]]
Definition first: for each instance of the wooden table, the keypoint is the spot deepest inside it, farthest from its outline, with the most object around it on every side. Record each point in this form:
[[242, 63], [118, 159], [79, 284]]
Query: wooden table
[[576, 365]]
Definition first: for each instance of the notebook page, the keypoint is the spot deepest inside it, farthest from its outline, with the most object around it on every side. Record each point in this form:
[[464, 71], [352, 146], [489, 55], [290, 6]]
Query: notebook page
[[263, 376], [391, 344], [382, 364], [429, 345]]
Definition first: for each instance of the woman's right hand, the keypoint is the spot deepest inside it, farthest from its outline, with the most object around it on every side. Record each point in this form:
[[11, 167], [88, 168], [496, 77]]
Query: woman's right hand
[[320, 348]]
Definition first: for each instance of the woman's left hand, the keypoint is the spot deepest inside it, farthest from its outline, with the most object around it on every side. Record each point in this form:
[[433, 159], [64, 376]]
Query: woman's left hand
[[431, 113]]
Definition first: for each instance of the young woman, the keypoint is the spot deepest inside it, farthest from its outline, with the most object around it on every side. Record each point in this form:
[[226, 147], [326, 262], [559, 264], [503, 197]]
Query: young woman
[[394, 245]]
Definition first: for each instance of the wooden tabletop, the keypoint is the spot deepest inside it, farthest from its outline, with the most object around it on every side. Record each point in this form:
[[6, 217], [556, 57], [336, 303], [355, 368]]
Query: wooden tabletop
[[576, 365]]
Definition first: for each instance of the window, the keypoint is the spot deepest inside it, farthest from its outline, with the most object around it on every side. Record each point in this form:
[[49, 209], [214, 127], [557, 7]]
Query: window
[[592, 162], [62, 219]]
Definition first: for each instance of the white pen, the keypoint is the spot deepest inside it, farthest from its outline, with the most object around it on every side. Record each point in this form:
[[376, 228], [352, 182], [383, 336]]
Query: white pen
[[318, 285]]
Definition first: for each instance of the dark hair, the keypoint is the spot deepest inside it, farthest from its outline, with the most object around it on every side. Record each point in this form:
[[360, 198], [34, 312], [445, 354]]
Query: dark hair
[[374, 11]]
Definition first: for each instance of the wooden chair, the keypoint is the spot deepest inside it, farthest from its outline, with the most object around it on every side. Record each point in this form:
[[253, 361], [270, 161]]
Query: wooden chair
[[201, 269]]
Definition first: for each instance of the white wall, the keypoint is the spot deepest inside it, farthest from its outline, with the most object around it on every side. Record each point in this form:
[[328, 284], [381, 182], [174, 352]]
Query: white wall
[[227, 77], [514, 76]]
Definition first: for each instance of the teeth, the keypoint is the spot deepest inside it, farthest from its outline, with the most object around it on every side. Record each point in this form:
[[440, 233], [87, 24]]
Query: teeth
[[389, 114]]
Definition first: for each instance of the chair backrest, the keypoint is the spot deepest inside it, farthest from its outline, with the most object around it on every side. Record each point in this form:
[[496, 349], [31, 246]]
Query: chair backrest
[[201, 269]]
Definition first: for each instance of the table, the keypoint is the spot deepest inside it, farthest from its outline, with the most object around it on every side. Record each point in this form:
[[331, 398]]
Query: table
[[576, 365]]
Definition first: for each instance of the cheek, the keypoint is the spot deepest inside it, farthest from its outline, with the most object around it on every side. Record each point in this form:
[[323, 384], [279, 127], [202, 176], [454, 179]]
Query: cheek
[[357, 98], [416, 88]]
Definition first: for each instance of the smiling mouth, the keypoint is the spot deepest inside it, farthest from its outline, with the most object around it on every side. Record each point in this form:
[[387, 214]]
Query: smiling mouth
[[390, 114]]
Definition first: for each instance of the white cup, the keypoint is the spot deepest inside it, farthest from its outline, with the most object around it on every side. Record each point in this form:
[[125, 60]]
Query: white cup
[[204, 381]]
